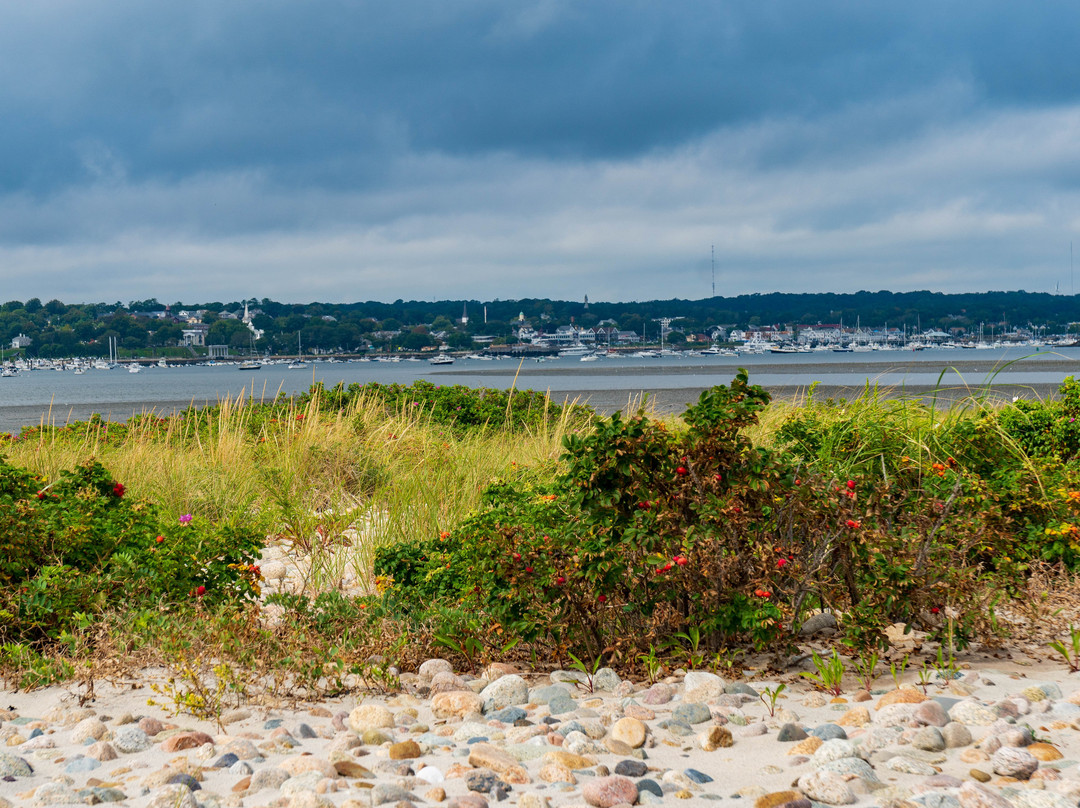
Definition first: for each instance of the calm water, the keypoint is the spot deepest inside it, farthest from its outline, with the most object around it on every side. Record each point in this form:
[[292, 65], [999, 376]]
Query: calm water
[[117, 393]]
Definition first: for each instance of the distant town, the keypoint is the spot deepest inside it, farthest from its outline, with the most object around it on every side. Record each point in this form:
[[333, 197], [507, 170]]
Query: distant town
[[148, 329]]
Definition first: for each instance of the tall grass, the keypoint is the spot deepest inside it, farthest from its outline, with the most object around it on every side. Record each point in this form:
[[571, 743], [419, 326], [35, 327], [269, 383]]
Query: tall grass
[[329, 484]]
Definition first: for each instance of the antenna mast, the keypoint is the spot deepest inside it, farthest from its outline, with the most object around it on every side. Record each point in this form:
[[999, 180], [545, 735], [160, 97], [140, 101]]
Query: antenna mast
[[712, 250]]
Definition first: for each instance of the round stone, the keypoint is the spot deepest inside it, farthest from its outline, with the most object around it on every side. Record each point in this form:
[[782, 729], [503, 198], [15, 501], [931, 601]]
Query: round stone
[[826, 787], [702, 686], [131, 739], [716, 737], [630, 731], [1013, 762], [368, 716], [605, 792], [506, 691]]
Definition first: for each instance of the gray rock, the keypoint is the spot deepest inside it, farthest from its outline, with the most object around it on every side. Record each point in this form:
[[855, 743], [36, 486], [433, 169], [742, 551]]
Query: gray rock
[[742, 689], [184, 779], [1014, 762], [130, 740], [929, 738], [55, 794], [14, 766], [660, 693], [818, 623], [972, 795], [506, 691], [647, 786], [851, 766], [833, 750], [1051, 689], [1027, 798], [271, 777], [561, 705], [543, 695], [931, 713], [702, 686], [692, 713], [829, 732], [606, 679], [508, 715], [383, 793], [631, 768], [431, 667], [790, 733], [956, 735], [937, 799], [81, 764]]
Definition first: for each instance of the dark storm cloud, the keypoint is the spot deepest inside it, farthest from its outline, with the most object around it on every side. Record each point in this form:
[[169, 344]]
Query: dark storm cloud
[[538, 145]]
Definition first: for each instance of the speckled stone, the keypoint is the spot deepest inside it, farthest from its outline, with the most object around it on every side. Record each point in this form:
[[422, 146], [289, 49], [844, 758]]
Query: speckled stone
[[972, 713], [826, 787], [908, 765], [851, 767], [692, 713], [1014, 762], [605, 792]]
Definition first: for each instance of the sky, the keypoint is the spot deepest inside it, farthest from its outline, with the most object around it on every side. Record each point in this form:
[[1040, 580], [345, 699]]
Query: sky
[[340, 151]]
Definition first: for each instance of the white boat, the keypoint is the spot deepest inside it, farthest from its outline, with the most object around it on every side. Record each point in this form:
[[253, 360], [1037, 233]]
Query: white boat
[[589, 358], [441, 359], [299, 364], [249, 366], [7, 372], [161, 363], [135, 368], [575, 350]]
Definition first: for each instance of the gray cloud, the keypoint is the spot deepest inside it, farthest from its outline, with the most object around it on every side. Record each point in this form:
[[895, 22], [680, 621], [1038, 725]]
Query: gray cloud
[[353, 150]]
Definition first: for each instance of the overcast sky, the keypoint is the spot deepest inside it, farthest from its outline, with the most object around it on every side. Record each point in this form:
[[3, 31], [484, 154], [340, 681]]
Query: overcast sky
[[340, 151]]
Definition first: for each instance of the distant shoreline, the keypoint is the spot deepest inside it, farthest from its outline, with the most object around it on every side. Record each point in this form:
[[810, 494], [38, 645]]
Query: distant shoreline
[[663, 401]]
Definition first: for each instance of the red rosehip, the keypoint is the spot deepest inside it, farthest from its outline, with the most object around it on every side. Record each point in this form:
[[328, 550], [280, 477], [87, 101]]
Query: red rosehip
[[934, 610], [41, 495], [781, 563], [529, 570], [560, 581], [682, 561], [852, 524], [681, 470], [517, 556], [851, 485], [644, 505], [118, 490], [200, 591], [602, 598], [159, 539]]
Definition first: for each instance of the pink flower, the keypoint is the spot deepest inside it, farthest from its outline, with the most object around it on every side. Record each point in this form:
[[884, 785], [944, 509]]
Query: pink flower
[[185, 518]]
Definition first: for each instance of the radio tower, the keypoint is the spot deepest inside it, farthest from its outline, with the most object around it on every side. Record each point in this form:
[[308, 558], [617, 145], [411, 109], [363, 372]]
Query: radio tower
[[712, 250]]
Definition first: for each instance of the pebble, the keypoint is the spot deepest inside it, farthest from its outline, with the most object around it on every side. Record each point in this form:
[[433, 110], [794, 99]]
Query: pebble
[[1014, 762], [605, 792], [827, 787], [630, 731]]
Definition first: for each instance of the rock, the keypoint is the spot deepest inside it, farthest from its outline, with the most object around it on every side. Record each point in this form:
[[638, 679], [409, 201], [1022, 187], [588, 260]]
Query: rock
[[405, 750], [814, 700], [955, 735], [1014, 762], [807, 746], [130, 740], [1044, 752], [350, 768], [907, 765], [972, 713], [569, 759], [903, 695], [235, 716], [468, 801], [701, 686], [172, 796], [895, 715], [370, 716], [300, 764], [833, 750], [436, 794], [931, 713], [55, 793], [790, 732], [826, 787], [631, 768], [456, 704], [929, 739], [753, 730], [102, 751], [383, 793], [446, 682], [185, 740], [662, 693], [484, 755], [855, 717], [605, 792], [630, 731], [823, 621], [482, 781], [973, 795], [88, 728], [506, 691], [691, 713], [851, 767], [606, 679], [776, 798], [978, 774], [715, 737], [829, 732], [429, 668], [556, 773]]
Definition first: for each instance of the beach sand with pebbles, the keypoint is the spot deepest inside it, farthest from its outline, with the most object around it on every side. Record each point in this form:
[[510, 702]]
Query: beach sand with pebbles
[[1005, 732]]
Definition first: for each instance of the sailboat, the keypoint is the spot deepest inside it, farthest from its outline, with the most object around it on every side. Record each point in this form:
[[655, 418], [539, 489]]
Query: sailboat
[[299, 364]]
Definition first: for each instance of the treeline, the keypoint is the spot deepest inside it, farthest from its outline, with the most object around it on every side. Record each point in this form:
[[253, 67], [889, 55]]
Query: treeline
[[59, 329]]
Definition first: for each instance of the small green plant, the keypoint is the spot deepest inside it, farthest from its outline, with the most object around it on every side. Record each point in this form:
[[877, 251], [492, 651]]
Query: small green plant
[[590, 672], [695, 657], [945, 665], [830, 673], [866, 668], [924, 677], [897, 670], [1071, 652], [652, 663], [769, 696]]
